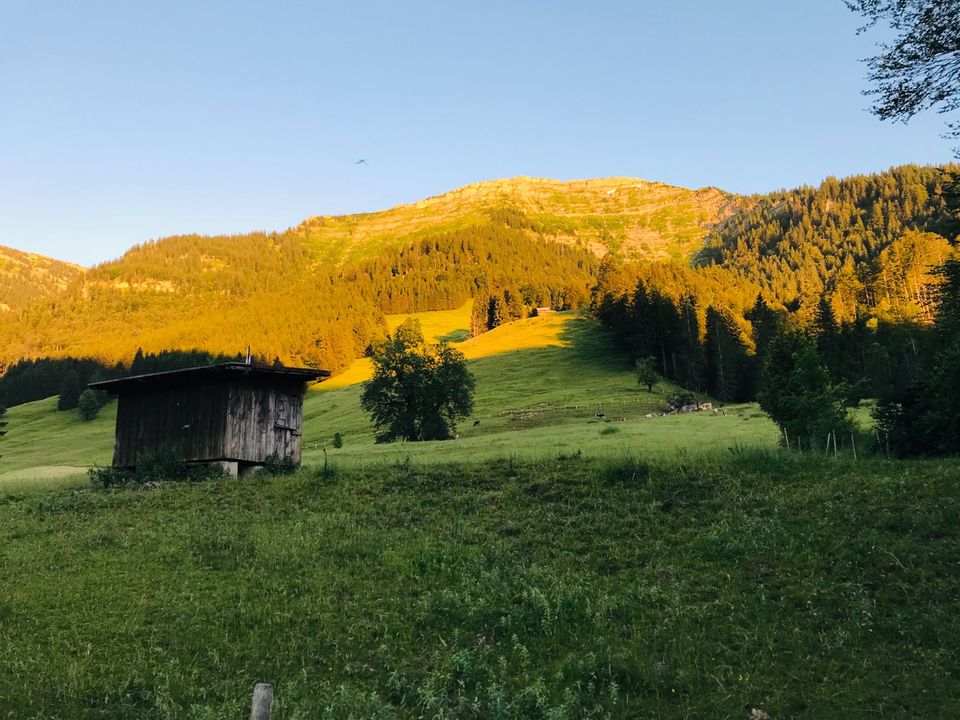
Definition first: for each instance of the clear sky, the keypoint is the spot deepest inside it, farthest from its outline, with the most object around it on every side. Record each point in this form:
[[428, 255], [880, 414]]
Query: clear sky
[[125, 121]]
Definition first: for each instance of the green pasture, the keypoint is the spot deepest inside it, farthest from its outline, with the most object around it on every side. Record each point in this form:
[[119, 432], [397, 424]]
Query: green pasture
[[47, 448], [537, 402], [696, 587]]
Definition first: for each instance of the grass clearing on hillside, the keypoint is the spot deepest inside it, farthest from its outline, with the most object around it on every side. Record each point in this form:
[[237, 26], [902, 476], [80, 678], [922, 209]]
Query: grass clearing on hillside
[[40, 440], [700, 587], [540, 401], [539, 383]]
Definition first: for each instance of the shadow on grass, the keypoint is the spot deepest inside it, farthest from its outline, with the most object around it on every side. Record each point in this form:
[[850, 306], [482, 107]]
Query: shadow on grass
[[588, 342], [455, 336]]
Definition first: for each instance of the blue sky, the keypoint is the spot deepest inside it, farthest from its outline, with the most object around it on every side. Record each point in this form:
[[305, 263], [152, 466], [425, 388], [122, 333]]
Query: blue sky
[[126, 121]]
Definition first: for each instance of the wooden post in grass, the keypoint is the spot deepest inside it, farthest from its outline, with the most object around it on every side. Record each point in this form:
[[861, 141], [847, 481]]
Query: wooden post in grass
[[262, 701], [826, 450], [834, 443], [853, 444]]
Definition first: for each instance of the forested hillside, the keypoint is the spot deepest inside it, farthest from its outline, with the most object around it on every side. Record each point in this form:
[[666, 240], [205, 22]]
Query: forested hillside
[[859, 274], [25, 277], [866, 241], [698, 280], [316, 294]]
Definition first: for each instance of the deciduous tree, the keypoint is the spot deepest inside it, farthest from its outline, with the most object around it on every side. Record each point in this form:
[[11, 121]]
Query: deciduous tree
[[920, 69], [646, 370], [418, 391]]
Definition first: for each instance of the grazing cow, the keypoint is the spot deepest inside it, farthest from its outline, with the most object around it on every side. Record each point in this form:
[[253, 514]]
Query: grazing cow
[[600, 416], [476, 423]]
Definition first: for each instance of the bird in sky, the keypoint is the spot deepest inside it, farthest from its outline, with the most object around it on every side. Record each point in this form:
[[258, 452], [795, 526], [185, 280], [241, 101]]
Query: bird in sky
[[361, 161]]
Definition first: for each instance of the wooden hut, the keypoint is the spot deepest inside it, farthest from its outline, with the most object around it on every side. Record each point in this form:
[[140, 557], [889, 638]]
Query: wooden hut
[[234, 414]]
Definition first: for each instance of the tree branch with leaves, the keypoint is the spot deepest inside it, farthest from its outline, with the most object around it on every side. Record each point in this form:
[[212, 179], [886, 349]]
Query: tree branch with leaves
[[920, 69]]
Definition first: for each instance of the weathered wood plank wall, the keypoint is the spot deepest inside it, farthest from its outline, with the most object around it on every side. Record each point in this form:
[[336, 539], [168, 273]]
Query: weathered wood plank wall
[[238, 420], [188, 421]]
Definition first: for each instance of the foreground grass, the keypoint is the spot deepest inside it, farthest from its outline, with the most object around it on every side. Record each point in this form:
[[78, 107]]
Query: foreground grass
[[701, 587]]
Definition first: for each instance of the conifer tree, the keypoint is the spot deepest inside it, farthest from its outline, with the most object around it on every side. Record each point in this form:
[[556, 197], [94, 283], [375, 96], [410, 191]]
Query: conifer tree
[[828, 337], [691, 349], [480, 314], [88, 405], [798, 394], [726, 355], [69, 391]]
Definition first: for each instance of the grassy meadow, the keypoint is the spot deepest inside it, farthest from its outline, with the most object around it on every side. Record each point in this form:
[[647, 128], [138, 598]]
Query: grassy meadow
[[544, 565], [707, 587], [539, 383]]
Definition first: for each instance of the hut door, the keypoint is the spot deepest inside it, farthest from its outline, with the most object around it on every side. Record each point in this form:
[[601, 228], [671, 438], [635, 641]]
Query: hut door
[[288, 414], [287, 426]]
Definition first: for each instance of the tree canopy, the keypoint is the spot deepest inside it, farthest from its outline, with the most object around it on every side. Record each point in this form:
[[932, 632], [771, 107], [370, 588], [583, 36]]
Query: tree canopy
[[798, 393], [920, 69], [88, 405], [646, 371], [418, 391]]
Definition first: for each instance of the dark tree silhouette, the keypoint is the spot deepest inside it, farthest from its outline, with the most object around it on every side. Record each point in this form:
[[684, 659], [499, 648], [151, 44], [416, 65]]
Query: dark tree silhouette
[[88, 405], [646, 370], [418, 391], [920, 69], [798, 394], [69, 391]]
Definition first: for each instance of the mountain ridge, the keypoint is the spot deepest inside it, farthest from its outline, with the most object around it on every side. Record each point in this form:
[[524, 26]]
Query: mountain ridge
[[639, 219], [317, 293], [26, 276]]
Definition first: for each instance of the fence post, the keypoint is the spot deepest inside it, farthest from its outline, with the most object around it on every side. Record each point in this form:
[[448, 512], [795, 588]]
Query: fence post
[[262, 701], [853, 444]]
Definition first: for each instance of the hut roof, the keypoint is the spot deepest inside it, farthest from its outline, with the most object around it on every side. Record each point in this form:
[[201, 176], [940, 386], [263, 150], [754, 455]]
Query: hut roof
[[206, 373]]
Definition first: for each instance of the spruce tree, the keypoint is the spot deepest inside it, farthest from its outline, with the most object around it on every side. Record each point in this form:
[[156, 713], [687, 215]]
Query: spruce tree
[[798, 393], [690, 347], [726, 355], [480, 314], [88, 405], [827, 333], [69, 391]]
